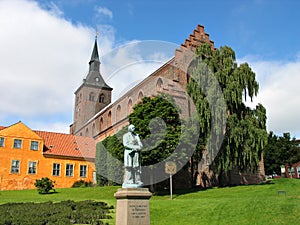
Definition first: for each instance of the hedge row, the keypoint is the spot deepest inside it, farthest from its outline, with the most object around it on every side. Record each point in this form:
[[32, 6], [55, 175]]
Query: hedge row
[[65, 212]]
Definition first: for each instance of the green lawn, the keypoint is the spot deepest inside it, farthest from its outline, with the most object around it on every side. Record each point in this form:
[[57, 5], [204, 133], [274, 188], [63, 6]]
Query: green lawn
[[253, 204]]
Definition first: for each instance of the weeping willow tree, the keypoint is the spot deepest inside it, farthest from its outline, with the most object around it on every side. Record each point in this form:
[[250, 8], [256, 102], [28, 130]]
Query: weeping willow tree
[[238, 139]]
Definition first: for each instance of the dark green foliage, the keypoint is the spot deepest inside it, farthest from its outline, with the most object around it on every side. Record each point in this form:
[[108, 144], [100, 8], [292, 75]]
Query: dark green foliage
[[109, 160], [66, 212], [82, 183], [44, 185], [280, 151], [245, 131], [158, 123]]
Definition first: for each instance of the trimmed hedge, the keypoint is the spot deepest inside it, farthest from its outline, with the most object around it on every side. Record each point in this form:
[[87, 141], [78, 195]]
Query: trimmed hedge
[[65, 212]]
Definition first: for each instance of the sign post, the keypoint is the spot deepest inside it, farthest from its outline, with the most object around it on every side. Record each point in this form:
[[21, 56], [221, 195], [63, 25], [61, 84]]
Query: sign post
[[171, 168]]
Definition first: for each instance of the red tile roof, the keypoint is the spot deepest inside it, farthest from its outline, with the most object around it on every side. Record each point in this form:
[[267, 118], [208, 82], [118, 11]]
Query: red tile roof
[[68, 145], [1, 127]]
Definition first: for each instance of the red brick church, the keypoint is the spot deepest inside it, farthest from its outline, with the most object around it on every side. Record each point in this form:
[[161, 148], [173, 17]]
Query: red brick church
[[96, 116]]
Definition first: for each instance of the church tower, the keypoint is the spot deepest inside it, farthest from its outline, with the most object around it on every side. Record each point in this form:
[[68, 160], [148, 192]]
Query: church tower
[[92, 95]]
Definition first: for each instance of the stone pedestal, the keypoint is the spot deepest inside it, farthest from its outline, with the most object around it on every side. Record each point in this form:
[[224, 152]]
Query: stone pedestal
[[133, 206]]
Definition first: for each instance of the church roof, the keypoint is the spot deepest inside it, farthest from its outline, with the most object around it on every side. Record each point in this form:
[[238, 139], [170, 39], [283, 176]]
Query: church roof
[[94, 77]]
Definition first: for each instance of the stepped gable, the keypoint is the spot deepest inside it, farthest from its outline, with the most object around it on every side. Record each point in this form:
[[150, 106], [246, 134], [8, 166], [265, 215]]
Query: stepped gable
[[67, 145], [185, 53]]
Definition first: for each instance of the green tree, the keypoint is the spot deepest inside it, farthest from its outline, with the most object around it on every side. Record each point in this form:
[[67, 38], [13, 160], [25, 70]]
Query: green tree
[[109, 158], [44, 185], [158, 123], [280, 151], [245, 128]]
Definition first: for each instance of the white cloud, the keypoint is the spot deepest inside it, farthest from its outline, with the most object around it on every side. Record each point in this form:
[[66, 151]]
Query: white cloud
[[104, 11], [44, 58], [279, 92]]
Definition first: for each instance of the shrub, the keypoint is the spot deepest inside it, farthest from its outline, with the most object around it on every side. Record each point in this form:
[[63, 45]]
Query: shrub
[[82, 183], [44, 185], [66, 212]]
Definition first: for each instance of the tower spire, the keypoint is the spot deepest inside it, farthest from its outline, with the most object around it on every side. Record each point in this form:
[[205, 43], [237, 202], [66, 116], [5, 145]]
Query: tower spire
[[94, 76]]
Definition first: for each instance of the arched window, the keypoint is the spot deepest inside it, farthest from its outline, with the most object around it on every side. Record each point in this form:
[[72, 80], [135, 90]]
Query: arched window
[[109, 119], [92, 97], [159, 85], [87, 132], [101, 98], [118, 113], [129, 106], [101, 124], [141, 95], [93, 129]]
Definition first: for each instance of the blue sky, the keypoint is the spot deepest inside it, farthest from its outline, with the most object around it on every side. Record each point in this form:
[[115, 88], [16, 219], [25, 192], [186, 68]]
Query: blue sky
[[45, 47], [267, 28]]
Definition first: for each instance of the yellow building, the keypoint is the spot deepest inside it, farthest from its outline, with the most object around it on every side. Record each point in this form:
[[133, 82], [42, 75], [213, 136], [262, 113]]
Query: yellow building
[[27, 155]]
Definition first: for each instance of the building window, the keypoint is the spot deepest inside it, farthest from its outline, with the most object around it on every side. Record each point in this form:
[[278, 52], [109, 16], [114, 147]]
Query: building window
[[15, 166], [129, 107], [159, 85], [101, 124], [32, 168], [56, 169], [118, 113], [83, 171], [92, 97], [1, 141], [101, 98], [69, 170], [140, 96], [17, 143], [34, 145], [109, 122]]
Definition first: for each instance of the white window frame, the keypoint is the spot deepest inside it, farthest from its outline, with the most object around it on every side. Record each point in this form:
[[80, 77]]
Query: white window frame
[[15, 166], [34, 145], [68, 170], [55, 169], [85, 171], [2, 141], [18, 143], [32, 165]]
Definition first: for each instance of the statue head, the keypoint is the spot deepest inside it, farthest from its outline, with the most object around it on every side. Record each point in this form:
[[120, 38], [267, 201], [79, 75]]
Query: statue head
[[131, 128]]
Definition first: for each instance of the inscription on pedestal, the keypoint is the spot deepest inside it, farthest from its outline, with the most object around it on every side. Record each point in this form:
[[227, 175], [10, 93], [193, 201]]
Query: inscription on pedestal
[[138, 211], [133, 206]]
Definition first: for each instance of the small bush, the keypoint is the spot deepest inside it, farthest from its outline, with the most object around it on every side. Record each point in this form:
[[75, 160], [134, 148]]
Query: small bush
[[82, 183], [44, 185]]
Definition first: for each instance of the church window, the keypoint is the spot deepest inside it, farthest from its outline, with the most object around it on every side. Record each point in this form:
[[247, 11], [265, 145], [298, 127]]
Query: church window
[[140, 96], [159, 85], [101, 123], [87, 132], [118, 113], [129, 106], [101, 98], [109, 119], [92, 97], [93, 129]]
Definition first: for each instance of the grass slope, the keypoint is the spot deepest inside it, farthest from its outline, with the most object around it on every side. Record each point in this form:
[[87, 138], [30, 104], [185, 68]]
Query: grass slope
[[253, 204]]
